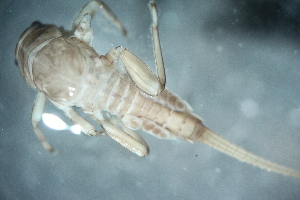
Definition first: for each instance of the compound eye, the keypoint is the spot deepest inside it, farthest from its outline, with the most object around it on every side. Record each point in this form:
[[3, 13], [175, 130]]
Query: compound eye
[[35, 23]]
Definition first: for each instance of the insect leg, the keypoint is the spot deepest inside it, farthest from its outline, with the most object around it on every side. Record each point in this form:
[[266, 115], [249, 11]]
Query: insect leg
[[116, 121], [84, 30], [141, 75], [138, 71], [130, 141], [156, 45], [124, 139], [86, 126], [92, 8], [36, 116]]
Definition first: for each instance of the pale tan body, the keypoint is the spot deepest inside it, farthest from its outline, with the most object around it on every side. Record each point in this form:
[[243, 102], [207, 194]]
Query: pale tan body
[[69, 72]]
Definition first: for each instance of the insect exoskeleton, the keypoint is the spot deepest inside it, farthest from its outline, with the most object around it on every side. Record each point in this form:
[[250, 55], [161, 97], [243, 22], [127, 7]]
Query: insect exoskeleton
[[54, 64], [63, 66]]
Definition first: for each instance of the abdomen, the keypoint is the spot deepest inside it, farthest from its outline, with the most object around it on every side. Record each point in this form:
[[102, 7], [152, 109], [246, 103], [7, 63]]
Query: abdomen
[[165, 116]]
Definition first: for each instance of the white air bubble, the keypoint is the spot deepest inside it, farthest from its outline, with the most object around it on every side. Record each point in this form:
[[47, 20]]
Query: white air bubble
[[54, 122]]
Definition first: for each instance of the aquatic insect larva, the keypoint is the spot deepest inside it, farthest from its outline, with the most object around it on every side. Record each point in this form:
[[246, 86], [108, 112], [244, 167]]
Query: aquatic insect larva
[[63, 67]]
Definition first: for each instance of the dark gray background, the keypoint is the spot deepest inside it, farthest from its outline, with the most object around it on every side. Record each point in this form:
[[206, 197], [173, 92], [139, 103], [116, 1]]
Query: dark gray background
[[237, 64]]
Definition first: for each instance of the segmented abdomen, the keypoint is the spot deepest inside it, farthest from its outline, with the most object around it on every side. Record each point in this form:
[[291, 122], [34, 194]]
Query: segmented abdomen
[[165, 116]]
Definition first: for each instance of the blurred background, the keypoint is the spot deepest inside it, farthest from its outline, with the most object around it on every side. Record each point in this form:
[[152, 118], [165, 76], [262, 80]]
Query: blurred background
[[236, 63]]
